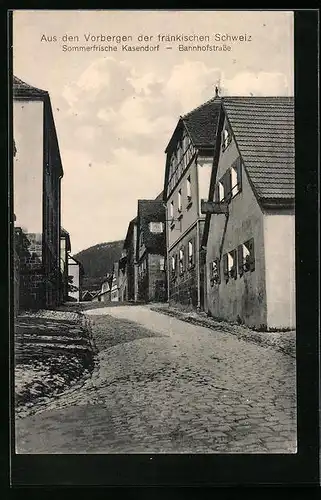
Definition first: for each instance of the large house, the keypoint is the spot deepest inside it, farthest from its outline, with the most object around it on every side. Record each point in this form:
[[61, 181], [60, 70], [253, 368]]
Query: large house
[[104, 294], [130, 247], [250, 226], [189, 158], [37, 173], [122, 277], [75, 278], [114, 292], [151, 250], [65, 248]]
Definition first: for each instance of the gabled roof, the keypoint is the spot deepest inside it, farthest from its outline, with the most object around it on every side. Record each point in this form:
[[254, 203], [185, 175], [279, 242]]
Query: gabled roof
[[263, 128], [76, 261], [152, 211], [23, 89], [200, 123], [66, 235], [129, 234]]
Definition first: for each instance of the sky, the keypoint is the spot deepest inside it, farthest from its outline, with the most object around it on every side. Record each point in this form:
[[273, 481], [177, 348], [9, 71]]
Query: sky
[[115, 111]]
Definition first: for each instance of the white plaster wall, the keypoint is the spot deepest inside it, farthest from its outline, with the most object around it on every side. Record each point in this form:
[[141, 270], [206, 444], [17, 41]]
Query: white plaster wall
[[28, 164], [279, 236]]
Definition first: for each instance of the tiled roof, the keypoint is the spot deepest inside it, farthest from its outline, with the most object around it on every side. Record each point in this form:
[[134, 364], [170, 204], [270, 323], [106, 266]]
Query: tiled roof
[[264, 131], [129, 234], [201, 122], [152, 211], [23, 89]]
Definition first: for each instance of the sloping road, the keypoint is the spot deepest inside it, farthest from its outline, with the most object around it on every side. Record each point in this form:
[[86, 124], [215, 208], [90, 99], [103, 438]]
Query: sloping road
[[162, 385]]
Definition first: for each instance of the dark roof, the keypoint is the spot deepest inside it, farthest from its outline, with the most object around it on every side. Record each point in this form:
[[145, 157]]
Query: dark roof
[[81, 267], [129, 234], [201, 123], [263, 128], [23, 89], [66, 235], [152, 211]]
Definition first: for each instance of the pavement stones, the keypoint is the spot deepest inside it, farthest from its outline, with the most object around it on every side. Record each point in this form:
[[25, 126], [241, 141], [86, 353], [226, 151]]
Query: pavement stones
[[158, 387]]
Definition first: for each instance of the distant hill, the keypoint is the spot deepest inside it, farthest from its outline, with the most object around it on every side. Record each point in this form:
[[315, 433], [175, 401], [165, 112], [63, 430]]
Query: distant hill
[[98, 261]]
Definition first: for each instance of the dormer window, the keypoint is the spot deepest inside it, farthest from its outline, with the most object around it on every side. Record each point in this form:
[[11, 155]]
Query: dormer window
[[156, 227], [226, 137]]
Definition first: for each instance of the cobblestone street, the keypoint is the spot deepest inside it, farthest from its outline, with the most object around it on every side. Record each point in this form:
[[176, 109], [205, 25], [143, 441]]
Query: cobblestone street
[[162, 385]]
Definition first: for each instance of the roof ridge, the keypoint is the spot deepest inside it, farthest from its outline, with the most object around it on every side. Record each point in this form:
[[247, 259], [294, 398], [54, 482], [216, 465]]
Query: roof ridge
[[18, 81], [200, 106]]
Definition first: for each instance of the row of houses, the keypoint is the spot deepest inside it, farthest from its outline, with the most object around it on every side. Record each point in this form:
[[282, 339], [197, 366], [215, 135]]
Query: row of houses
[[140, 274], [221, 236], [45, 273]]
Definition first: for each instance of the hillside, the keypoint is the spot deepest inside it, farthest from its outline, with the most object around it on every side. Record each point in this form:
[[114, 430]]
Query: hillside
[[98, 261]]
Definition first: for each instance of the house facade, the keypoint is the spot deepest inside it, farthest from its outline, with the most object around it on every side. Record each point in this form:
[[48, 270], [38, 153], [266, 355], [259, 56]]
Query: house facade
[[189, 158], [114, 292], [130, 249], [151, 251], [123, 277], [37, 174], [250, 225], [75, 275], [65, 248], [104, 294]]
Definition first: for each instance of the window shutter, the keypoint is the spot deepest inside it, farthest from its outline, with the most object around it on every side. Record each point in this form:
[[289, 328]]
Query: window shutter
[[239, 173], [227, 184], [225, 266], [235, 263], [218, 267], [240, 259], [250, 246], [217, 194]]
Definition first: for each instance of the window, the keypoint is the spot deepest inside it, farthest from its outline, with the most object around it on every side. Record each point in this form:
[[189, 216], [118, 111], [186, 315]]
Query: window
[[215, 272], [236, 177], [190, 253], [229, 265], [231, 259], [162, 264], [171, 210], [181, 261], [180, 200], [235, 187], [174, 259], [246, 257], [226, 137], [221, 192], [156, 227], [188, 188]]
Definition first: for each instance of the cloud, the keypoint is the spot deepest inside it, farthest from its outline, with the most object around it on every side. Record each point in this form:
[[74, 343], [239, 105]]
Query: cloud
[[257, 84], [108, 192], [191, 83]]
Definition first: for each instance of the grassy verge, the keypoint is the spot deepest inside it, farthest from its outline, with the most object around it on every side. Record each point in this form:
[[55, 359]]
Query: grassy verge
[[53, 349], [283, 341]]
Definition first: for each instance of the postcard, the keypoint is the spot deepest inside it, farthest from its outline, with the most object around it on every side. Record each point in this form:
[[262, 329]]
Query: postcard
[[154, 232]]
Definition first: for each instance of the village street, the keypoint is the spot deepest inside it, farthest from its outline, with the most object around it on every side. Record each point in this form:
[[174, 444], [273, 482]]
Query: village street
[[161, 385]]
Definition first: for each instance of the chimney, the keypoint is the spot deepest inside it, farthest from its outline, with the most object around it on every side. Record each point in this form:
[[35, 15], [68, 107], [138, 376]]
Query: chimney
[[216, 91]]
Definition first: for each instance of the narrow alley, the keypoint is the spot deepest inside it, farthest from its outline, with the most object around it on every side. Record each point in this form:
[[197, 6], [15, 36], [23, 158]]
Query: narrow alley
[[161, 385]]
